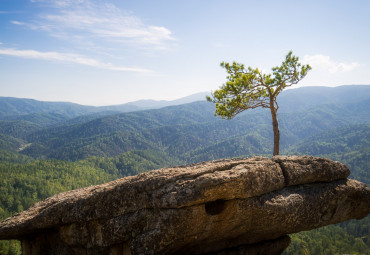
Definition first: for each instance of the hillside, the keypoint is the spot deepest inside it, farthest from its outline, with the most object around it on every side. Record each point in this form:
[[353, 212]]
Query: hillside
[[308, 97], [11, 106], [28, 182], [348, 144], [42, 152], [30, 109], [181, 131], [189, 132]]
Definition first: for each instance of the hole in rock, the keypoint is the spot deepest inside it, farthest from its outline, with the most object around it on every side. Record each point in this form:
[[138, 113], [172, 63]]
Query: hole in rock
[[215, 207]]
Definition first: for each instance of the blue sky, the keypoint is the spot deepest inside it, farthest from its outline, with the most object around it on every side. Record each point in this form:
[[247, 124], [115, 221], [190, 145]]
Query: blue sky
[[98, 52]]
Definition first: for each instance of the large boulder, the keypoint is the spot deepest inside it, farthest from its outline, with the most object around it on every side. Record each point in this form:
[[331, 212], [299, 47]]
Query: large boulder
[[219, 207]]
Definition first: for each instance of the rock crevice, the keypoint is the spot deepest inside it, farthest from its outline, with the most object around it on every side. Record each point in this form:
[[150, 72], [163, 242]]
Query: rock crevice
[[210, 207]]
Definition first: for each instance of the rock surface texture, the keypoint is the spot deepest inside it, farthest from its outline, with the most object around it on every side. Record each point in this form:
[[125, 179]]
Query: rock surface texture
[[238, 206]]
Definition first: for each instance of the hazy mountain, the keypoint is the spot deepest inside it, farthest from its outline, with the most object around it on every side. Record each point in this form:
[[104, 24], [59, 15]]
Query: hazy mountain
[[155, 104], [21, 108], [50, 113], [189, 129], [307, 97], [98, 144], [10, 106]]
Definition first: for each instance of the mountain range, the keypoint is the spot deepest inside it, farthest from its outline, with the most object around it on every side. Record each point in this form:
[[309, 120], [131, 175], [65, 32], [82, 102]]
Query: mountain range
[[188, 132], [49, 147], [21, 108]]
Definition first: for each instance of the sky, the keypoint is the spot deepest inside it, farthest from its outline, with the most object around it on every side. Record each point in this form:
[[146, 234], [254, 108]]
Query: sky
[[97, 52]]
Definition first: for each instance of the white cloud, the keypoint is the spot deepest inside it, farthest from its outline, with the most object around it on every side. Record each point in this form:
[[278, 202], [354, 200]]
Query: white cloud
[[15, 22], [95, 20], [10, 12], [67, 57], [324, 63], [58, 3]]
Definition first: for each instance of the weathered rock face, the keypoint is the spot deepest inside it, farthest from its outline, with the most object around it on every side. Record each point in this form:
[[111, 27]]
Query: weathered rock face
[[235, 206]]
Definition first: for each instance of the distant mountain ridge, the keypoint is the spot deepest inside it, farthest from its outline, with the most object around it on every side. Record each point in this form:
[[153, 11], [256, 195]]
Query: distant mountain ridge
[[319, 94], [183, 131], [11, 106], [191, 131], [18, 108], [155, 104]]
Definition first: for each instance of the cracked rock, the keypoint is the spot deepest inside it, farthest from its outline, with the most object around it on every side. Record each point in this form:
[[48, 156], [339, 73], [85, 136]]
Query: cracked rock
[[218, 207]]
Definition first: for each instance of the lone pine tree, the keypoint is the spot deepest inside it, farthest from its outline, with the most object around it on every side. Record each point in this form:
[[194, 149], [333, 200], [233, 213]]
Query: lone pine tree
[[250, 88]]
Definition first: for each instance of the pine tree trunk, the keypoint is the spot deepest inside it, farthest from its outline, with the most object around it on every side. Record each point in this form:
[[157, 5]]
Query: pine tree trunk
[[275, 127]]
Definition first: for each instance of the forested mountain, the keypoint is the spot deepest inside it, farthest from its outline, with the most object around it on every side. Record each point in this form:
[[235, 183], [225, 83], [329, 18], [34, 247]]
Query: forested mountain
[[308, 97], [47, 152], [44, 113], [187, 129], [10, 106], [154, 104], [27, 109], [349, 144]]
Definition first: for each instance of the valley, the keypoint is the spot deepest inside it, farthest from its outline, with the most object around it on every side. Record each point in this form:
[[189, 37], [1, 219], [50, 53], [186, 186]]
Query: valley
[[47, 148]]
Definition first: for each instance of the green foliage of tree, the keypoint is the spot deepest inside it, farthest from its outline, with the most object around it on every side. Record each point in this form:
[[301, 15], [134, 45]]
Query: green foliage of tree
[[330, 240], [249, 88], [10, 247], [10, 143], [24, 181], [359, 229], [249, 145], [18, 128]]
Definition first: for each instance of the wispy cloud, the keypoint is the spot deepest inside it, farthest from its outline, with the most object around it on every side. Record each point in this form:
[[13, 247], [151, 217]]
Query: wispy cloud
[[58, 3], [324, 63], [17, 23], [67, 57], [99, 21], [10, 12]]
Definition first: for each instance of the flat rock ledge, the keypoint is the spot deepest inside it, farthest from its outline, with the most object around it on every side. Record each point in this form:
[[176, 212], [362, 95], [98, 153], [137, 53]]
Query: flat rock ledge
[[236, 206]]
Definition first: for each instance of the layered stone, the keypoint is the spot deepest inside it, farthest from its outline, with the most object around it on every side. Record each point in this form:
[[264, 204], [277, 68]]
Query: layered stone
[[207, 207]]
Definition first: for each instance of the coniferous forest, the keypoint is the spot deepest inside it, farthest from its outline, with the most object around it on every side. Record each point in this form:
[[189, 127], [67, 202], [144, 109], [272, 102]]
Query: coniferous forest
[[48, 148]]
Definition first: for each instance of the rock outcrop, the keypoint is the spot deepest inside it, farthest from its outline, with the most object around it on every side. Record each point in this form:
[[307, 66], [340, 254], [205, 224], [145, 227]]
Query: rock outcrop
[[238, 206]]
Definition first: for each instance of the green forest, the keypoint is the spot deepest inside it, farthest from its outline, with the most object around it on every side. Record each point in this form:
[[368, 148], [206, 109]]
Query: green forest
[[43, 153]]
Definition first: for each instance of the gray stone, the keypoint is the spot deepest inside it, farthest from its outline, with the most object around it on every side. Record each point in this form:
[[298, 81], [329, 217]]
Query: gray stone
[[218, 206], [307, 169]]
